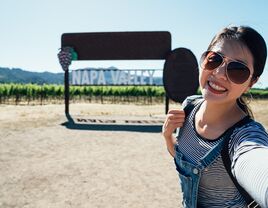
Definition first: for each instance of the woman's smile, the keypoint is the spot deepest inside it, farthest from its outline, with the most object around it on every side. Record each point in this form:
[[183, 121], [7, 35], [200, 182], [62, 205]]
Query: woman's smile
[[216, 88]]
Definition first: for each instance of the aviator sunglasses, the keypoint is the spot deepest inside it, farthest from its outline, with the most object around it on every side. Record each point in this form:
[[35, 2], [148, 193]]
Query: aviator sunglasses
[[236, 71]]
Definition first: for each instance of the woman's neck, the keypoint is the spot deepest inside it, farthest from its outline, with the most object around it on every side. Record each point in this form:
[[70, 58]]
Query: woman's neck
[[217, 117], [213, 112]]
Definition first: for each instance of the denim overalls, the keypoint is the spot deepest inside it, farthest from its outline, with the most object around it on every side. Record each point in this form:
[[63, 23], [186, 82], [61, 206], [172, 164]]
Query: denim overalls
[[190, 174]]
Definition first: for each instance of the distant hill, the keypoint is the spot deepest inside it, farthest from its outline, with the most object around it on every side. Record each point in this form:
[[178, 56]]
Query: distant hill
[[17, 75]]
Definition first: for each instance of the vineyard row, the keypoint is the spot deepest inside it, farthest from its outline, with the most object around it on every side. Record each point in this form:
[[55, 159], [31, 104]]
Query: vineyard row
[[41, 94]]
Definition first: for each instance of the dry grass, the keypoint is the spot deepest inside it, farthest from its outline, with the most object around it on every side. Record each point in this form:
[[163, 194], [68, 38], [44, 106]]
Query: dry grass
[[260, 110]]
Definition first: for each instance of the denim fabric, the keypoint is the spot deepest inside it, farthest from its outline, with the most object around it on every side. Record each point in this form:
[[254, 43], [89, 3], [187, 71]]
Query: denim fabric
[[190, 174]]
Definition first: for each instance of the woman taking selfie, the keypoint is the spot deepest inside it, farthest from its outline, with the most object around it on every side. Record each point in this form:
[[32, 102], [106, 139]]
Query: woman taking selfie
[[220, 151]]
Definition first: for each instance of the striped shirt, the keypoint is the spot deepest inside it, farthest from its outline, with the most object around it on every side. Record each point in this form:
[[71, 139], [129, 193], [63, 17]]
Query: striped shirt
[[216, 188]]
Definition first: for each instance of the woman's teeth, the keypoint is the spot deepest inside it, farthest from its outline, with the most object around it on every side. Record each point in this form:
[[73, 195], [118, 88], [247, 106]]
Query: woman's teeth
[[216, 87]]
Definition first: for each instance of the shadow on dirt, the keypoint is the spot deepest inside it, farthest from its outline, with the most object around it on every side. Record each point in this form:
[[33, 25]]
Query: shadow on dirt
[[150, 126]]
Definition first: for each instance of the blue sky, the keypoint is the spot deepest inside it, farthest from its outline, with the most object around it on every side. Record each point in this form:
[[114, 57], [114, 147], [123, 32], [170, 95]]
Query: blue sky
[[31, 29]]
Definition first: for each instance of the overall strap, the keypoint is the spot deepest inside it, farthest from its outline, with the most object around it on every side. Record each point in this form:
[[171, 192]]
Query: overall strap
[[227, 163], [190, 106]]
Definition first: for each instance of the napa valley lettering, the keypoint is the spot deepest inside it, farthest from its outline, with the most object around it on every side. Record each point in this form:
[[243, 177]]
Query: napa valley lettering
[[113, 77]]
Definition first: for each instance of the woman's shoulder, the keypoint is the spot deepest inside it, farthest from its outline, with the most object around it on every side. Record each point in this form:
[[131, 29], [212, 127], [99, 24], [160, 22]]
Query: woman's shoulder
[[252, 132], [251, 126], [251, 136], [191, 99]]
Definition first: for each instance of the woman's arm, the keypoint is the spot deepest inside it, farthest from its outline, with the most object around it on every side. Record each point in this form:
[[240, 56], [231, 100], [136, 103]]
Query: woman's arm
[[249, 153], [170, 143], [251, 172]]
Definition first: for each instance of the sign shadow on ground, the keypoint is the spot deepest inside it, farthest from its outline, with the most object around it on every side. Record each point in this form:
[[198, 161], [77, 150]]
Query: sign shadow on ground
[[102, 124]]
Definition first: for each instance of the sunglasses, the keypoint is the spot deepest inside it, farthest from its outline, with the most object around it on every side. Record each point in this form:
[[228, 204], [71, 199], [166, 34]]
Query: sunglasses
[[236, 71]]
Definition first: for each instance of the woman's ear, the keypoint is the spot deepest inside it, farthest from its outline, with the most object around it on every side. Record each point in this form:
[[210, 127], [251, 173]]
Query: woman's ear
[[252, 82]]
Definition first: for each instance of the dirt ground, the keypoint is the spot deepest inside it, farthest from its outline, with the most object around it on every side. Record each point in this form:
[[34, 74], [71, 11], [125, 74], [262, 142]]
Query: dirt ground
[[46, 165]]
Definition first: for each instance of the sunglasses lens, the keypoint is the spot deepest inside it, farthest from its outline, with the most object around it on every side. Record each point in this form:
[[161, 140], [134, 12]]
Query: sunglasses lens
[[210, 60], [237, 72]]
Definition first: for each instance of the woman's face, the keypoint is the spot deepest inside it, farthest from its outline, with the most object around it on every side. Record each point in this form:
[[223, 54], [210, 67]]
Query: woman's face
[[215, 85]]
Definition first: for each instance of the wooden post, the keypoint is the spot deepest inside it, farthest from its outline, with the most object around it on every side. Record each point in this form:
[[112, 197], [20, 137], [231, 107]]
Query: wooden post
[[167, 104], [66, 91]]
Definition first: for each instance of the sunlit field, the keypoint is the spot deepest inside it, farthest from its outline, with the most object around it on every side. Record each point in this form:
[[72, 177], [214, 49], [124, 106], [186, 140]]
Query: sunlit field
[[260, 111]]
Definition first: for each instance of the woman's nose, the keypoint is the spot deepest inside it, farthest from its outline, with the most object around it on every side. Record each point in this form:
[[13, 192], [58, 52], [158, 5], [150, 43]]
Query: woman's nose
[[220, 72]]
